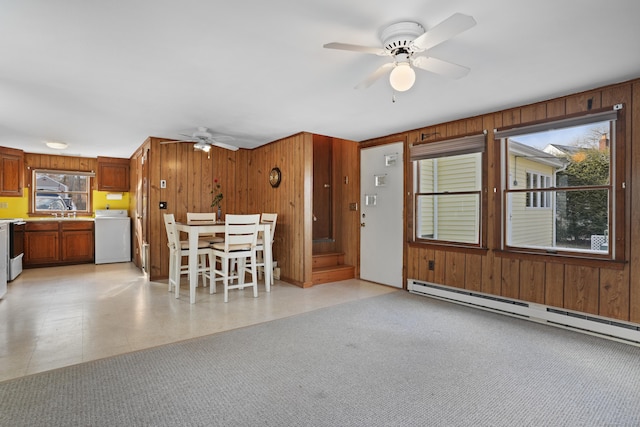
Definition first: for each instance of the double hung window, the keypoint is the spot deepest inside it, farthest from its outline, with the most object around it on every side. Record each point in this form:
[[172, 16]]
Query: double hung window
[[61, 191], [559, 180], [448, 182]]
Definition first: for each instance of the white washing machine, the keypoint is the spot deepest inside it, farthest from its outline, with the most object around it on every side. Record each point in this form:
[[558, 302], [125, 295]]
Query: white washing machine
[[112, 236]]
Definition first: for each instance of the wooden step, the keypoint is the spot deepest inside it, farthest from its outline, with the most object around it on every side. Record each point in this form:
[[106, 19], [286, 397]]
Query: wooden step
[[327, 259], [333, 273]]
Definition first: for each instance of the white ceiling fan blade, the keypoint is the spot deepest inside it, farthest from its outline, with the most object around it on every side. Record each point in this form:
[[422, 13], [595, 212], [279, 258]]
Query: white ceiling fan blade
[[175, 141], [450, 27], [357, 48], [371, 79], [223, 145], [221, 138], [441, 67]]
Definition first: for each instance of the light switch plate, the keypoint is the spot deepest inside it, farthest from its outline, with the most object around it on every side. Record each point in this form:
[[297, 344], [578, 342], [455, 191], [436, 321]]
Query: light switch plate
[[163, 183]]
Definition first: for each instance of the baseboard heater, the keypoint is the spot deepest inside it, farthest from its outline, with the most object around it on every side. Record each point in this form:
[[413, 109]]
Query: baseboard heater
[[594, 325]]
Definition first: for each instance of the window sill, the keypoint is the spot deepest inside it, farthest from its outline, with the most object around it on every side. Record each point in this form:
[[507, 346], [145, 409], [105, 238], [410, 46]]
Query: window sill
[[451, 247], [562, 259]]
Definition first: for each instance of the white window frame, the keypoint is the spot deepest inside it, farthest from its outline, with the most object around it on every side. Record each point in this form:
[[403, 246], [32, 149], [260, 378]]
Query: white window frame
[[538, 199]]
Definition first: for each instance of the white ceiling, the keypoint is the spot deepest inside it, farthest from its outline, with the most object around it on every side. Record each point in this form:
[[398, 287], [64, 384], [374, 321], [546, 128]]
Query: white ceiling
[[102, 76]]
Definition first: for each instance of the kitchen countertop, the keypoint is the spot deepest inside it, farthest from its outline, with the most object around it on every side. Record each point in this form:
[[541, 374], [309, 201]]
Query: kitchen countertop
[[39, 219]]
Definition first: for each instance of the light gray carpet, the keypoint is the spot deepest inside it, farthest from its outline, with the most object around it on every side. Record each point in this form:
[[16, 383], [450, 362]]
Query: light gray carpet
[[394, 360]]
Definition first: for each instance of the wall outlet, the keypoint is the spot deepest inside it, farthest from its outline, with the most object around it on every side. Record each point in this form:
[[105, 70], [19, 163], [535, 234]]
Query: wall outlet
[[4, 205]]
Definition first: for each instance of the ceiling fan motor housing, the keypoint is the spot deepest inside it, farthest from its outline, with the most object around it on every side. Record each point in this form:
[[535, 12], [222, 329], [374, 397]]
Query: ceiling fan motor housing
[[397, 38], [201, 133]]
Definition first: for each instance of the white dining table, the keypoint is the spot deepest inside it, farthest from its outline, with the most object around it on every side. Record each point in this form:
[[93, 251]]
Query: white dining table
[[195, 228]]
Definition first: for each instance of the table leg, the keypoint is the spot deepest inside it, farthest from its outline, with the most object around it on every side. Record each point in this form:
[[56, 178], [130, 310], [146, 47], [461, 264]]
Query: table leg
[[268, 269], [193, 265]]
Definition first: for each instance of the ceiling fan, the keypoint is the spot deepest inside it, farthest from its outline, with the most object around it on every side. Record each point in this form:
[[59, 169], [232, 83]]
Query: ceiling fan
[[404, 42], [204, 140]]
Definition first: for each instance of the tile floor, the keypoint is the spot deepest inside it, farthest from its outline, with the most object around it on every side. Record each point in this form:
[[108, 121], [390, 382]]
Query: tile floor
[[60, 316]]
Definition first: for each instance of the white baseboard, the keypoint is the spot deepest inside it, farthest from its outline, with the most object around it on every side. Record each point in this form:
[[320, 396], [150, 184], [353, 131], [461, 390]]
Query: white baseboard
[[626, 332]]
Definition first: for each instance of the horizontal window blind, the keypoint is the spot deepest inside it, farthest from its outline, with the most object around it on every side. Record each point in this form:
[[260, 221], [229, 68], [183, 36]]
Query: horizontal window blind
[[449, 147], [557, 124], [64, 172]]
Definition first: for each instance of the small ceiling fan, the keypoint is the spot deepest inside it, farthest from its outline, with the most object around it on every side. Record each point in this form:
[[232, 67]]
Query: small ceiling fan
[[203, 140], [404, 41]]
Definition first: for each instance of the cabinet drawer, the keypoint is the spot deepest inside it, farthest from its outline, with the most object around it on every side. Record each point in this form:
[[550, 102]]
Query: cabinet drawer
[[41, 226], [77, 225]]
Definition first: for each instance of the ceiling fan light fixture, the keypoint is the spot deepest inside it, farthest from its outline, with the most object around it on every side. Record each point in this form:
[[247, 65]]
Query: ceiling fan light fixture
[[402, 77], [202, 146]]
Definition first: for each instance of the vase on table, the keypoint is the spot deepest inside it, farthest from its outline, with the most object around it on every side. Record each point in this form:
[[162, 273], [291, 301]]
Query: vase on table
[[219, 215]]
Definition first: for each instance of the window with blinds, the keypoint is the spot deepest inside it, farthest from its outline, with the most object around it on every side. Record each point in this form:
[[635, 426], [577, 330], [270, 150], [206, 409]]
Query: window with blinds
[[448, 177]]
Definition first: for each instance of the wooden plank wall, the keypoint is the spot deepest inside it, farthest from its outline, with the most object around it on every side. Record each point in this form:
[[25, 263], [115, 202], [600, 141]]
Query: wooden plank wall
[[601, 288], [291, 200], [346, 186], [189, 175]]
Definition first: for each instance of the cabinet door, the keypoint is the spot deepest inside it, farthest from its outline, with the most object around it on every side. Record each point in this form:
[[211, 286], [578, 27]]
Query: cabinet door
[[77, 246], [113, 174], [11, 172], [41, 248]]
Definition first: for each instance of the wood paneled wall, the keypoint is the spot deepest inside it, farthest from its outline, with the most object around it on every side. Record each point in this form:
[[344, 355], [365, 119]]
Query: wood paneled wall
[[189, 176], [601, 288], [346, 179], [292, 200]]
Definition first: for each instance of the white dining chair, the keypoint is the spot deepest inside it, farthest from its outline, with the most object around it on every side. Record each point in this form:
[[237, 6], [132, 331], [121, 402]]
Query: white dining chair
[[179, 249], [205, 218], [240, 237]]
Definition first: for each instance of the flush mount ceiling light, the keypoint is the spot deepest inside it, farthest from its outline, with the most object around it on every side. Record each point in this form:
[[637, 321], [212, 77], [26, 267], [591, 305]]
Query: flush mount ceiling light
[[56, 145]]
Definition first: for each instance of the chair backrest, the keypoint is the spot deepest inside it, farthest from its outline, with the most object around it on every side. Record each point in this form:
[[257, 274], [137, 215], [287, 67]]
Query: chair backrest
[[201, 217], [270, 218], [241, 232], [173, 236]]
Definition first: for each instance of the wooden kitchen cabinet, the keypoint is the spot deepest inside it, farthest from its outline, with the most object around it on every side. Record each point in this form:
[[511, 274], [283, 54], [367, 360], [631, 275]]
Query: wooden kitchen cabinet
[[61, 242], [41, 243], [113, 174], [11, 172], [76, 239]]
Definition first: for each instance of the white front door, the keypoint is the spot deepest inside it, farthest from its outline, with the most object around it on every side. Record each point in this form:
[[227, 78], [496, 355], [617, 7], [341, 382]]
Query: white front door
[[381, 201]]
